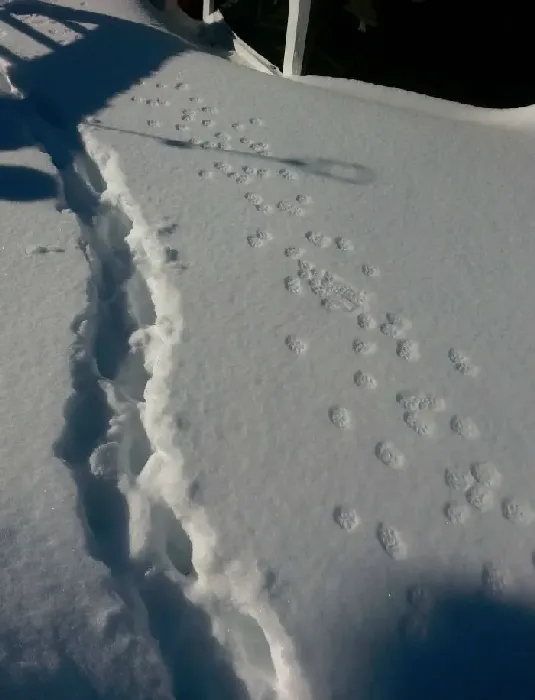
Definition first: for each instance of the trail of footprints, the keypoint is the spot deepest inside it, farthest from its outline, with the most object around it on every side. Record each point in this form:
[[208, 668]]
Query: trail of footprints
[[472, 489]]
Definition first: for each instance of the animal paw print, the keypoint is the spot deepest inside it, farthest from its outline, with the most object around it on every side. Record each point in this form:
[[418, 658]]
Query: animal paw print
[[464, 427], [317, 239], [392, 542], [487, 474], [288, 174], [370, 271], [188, 115], [421, 402], [517, 511], [495, 580], [340, 417], [361, 347], [456, 513], [261, 149], [344, 244], [366, 321], [265, 209], [396, 326], [293, 285], [408, 350], [387, 453], [289, 208], [365, 380], [457, 479], [478, 484], [416, 406], [346, 518], [335, 294], [462, 363], [294, 253], [480, 497], [259, 239], [419, 424], [296, 345], [225, 168], [254, 198]]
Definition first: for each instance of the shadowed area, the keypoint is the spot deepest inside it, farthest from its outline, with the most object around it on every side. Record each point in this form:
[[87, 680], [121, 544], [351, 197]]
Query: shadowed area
[[22, 184], [451, 642]]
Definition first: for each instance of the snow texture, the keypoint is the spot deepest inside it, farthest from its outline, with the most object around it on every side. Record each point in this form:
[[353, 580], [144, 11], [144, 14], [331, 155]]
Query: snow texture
[[227, 459]]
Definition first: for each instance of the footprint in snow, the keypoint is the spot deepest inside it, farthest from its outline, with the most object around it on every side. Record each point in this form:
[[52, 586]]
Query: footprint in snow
[[288, 174], [340, 417], [296, 345], [260, 238], [344, 244], [495, 580], [346, 518], [392, 542], [462, 363], [456, 513], [457, 479], [464, 427]]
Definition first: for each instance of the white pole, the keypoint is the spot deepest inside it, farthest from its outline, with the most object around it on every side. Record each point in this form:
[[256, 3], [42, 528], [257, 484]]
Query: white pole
[[207, 8], [296, 33]]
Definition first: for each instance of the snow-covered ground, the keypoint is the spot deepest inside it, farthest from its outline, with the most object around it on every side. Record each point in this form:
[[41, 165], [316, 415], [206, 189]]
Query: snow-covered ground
[[289, 331]]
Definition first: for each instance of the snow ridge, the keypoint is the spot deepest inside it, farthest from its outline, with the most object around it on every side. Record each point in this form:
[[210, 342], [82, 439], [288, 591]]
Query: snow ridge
[[121, 442], [230, 592]]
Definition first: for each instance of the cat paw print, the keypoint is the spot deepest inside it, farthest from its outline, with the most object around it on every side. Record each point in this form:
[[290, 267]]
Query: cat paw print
[[259, 239], [340, 417], [392, 542], [346, 518], [296, 345]]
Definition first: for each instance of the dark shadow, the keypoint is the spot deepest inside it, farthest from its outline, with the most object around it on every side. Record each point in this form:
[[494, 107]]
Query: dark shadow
[[352, 173], [74, 80], [460, 51], [21, 184], [14, 131], [459, 643], [200, 668], [20, 680]]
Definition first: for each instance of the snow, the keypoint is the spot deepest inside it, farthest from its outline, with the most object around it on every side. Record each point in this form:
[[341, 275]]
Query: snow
[[58, 603], [296, 322]]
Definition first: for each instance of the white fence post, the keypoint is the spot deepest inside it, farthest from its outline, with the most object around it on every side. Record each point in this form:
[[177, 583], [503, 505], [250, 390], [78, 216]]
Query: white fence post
[[207, 8], [296, 33]]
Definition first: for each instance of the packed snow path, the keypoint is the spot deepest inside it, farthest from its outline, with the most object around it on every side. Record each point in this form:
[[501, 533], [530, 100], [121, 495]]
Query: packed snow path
[[335, 412]]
